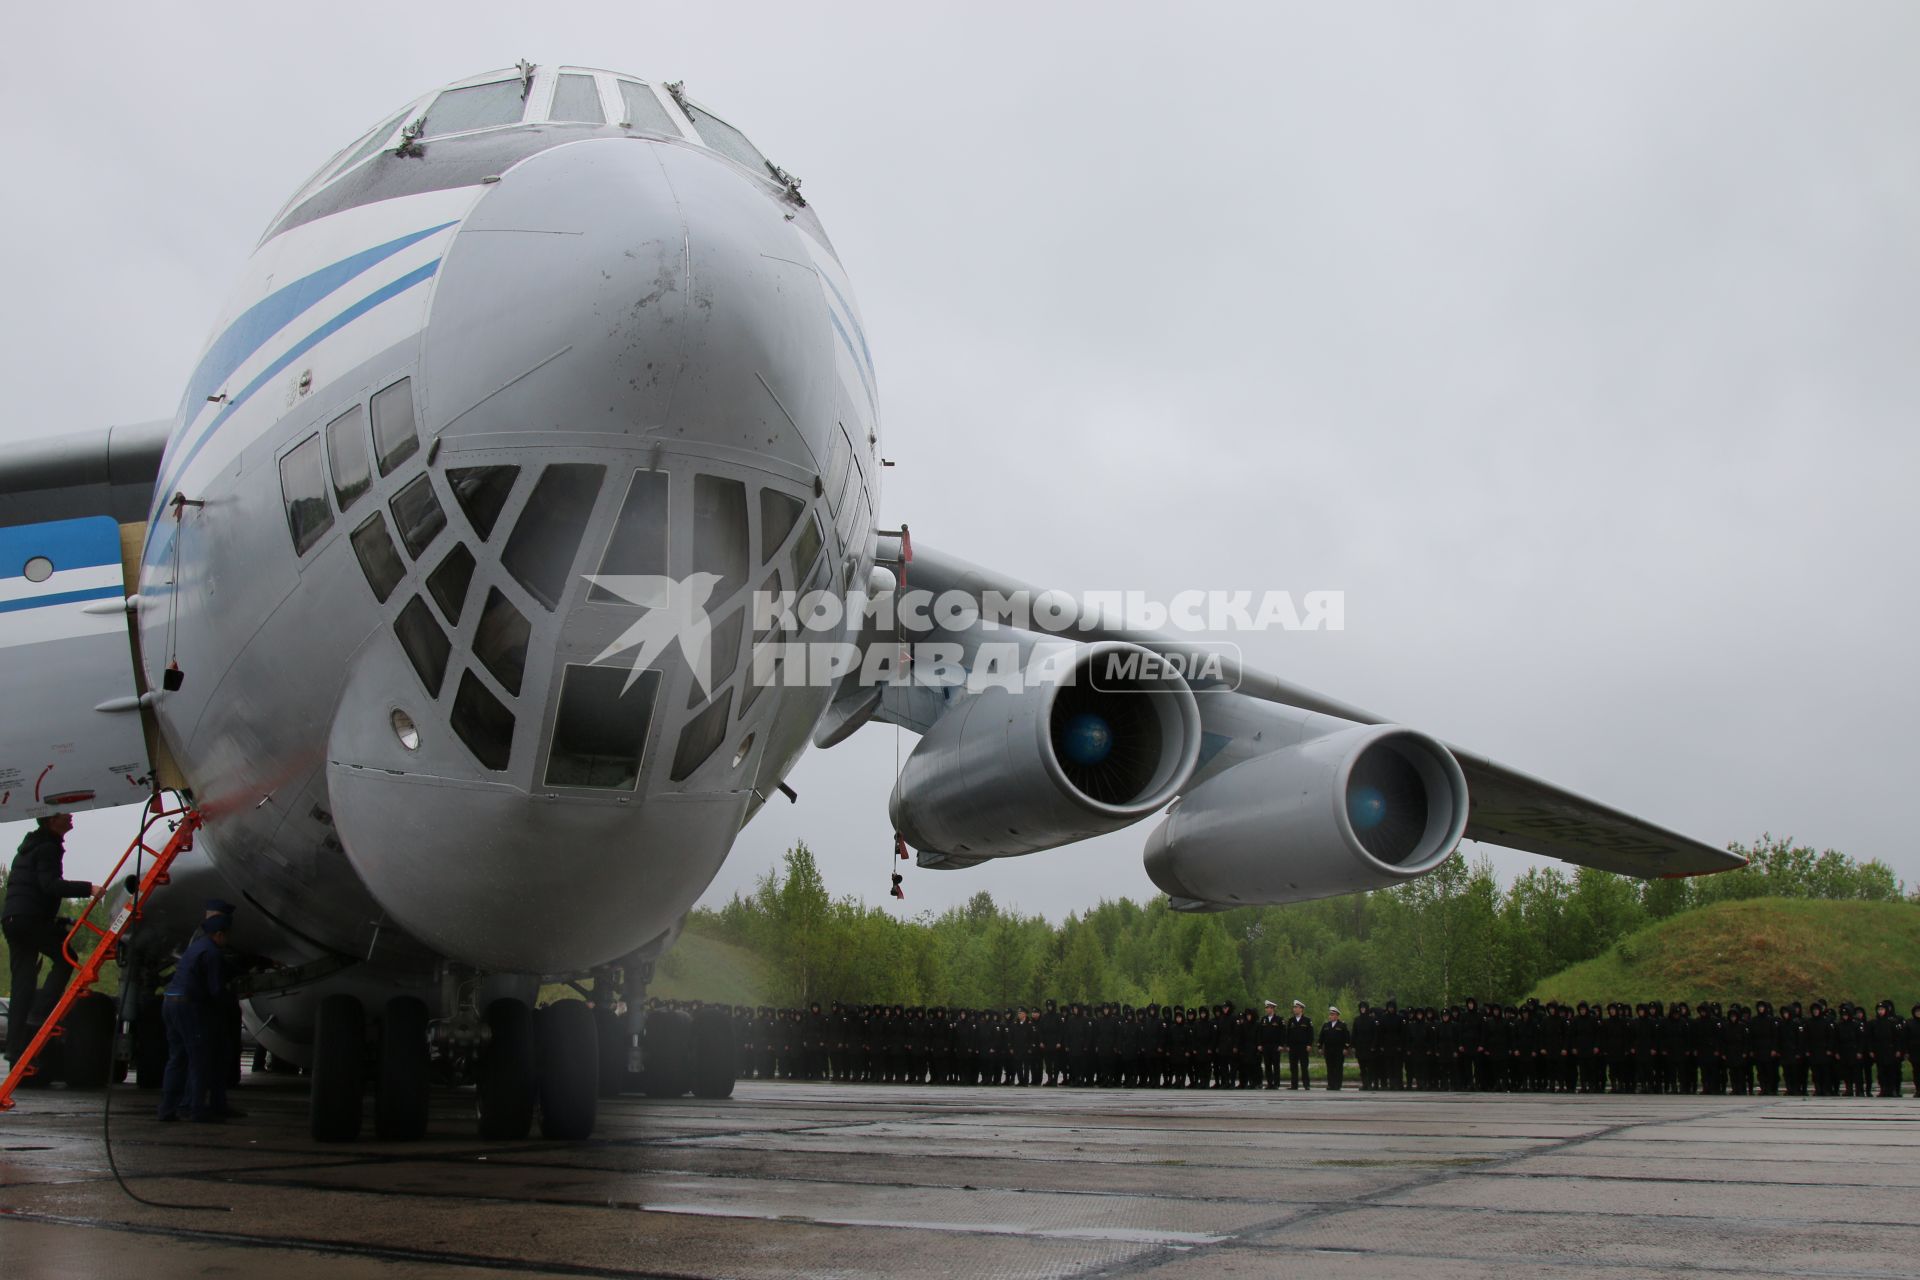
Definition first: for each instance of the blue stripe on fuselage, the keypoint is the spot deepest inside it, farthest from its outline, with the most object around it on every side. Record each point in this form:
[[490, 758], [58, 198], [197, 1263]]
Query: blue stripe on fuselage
[[164, 492], [260, 322], [71, 544], [858, 368], [59, 597], [853, 320], [278, 309]]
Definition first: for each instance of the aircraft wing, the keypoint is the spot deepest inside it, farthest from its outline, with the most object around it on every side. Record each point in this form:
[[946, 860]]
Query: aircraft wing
[[72, 520], [108, 472], [1505, 806]]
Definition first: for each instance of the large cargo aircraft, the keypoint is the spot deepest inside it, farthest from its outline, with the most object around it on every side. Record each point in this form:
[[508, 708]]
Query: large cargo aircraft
[[441, 599]]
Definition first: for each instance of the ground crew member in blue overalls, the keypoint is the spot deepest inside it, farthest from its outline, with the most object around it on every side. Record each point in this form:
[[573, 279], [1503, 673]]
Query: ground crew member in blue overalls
[[191, 1004]]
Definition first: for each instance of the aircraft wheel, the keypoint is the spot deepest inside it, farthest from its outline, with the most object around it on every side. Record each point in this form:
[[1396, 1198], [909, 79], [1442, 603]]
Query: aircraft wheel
[[569, 1069], [713, 1053], [400, 1093], [507, 1083], [614, 1041], [339, 1069], [149, 1043], [666, 1054], [89, 1041]]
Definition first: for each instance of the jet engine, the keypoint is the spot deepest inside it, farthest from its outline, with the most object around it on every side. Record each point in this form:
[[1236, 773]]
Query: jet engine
[[1007, 772], [1361, 808]]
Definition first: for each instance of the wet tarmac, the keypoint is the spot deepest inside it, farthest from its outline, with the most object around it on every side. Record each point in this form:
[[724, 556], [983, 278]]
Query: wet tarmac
[[853, 1180]]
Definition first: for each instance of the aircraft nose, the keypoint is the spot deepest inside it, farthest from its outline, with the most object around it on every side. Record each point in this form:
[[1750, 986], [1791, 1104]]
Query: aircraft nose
[[628, 362], [514, 883], [635, 288]]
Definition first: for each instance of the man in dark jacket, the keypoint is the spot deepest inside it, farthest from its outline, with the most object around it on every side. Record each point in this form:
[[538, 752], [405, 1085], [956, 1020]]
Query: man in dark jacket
[[1273, 1033], [1299, 1046], [1883, 1044], [1334, 1039], [1362, 1032], [33, 928]]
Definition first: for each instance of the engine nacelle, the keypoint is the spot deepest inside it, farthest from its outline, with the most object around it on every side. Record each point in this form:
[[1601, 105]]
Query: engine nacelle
[[1359, 809], [1006, 773]]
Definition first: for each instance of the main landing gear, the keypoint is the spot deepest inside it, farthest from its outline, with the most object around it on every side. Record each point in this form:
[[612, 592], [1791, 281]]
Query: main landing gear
[[523, 1063], [553, 1064]]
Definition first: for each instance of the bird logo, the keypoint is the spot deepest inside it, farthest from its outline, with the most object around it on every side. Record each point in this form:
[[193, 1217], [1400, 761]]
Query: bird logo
[[672, 610]]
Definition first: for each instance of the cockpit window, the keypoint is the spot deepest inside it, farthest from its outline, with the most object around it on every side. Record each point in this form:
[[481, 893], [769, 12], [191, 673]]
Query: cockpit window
[[725, 650], [303, 485], [482, 494], [701, 736], [540, 550], [418, 514], [393, 430], [448, 583], [347, 447], [378, 558], [426, 644], [482, 723], [371, 143], [638, 544], [725, 139], [575, 98], [778, 512], [643, 110], [500, 641], [600, 730], [479, 106], [720, 533], [839, 468], [805, 548]]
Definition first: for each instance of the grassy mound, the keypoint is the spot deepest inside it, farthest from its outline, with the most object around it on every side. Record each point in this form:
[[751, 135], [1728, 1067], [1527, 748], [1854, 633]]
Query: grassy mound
[[1776, 949], [702, 968], [696, 968]]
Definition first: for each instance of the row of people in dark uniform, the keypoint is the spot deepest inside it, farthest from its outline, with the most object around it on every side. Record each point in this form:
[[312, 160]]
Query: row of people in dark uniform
[[1817, 1049]]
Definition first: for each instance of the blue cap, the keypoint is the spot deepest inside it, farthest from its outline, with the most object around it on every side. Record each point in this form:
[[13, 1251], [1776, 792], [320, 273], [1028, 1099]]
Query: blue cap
[[215, 924], [220, 905]]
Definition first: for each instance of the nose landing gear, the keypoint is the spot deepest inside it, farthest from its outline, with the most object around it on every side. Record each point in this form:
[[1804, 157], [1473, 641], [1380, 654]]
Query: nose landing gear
[[506, 1072], [569, 1055], [401, 1078]]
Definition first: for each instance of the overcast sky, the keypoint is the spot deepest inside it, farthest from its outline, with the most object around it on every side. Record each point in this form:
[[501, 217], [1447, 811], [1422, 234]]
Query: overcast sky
[[1576, 344]]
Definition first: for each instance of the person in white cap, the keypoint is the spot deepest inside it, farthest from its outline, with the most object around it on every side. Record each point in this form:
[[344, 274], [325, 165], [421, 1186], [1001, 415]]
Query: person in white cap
[[1300, 1047], [1335, 1036]]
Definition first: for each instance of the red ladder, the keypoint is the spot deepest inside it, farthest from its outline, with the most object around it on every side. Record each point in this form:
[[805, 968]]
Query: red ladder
[[87, 972]]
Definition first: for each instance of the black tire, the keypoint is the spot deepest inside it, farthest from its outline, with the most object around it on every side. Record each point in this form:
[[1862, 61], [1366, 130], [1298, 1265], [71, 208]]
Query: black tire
[[666, 1054], [339, 1070], [89, 1041], [569, 1070], [149, 1042], [614, 1041], [400, 1094], [507, 1081], [713, 1053]]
